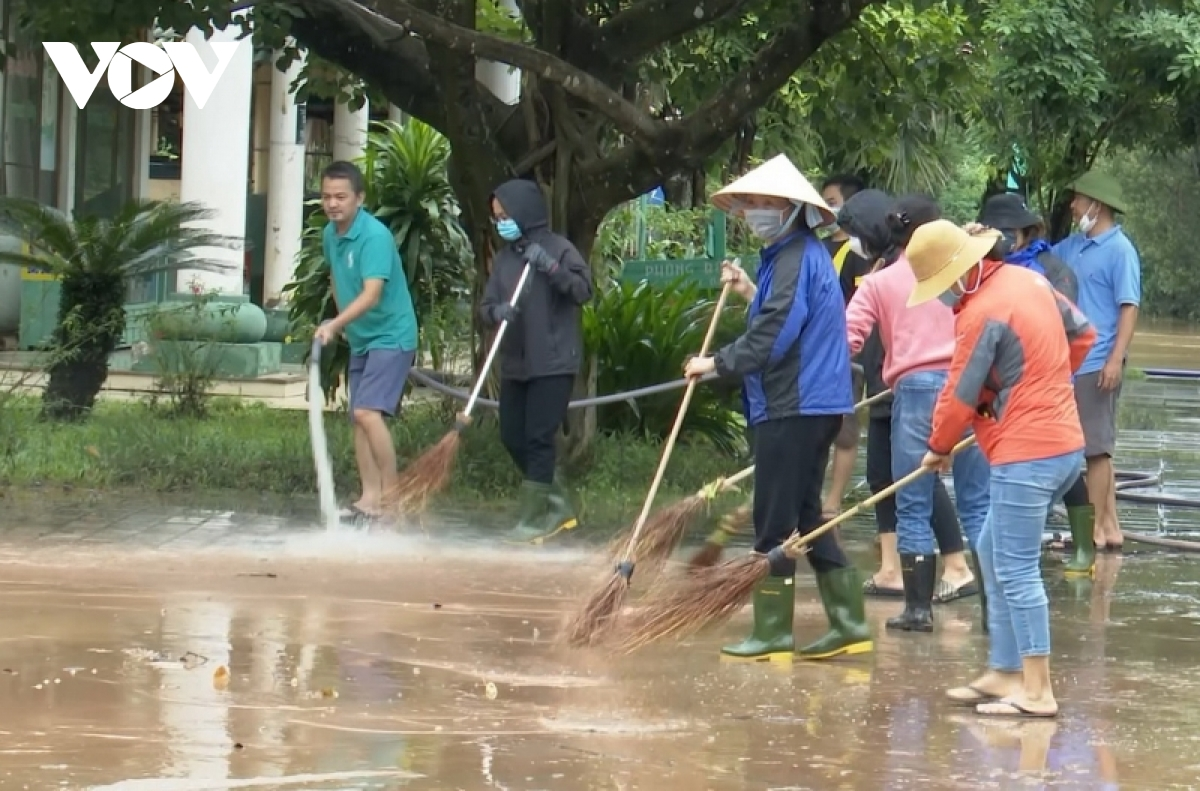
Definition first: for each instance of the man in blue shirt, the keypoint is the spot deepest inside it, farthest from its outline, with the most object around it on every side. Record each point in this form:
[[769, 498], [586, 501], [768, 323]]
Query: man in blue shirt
[[1110, 291], [375, 312]]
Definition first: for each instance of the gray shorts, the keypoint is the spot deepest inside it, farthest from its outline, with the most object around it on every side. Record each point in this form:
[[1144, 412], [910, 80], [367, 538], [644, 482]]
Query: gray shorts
[[847, 436], [1097, 415], [377, 380]]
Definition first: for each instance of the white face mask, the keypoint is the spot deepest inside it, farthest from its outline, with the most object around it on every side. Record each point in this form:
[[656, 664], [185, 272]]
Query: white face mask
[[950, 297], [856, 247], [1088, 221], [768, 224]]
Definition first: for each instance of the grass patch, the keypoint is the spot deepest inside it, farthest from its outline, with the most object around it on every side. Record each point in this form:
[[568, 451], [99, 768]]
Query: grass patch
[[250, 448]]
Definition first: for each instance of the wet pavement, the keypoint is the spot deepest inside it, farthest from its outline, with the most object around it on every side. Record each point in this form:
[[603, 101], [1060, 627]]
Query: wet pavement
[[357, 661], [152, 646]]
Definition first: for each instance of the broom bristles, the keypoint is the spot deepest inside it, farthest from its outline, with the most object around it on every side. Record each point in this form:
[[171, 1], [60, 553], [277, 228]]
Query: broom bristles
[[660, 535], [426, 476], [707, 597], [706, 556], [596, 618]]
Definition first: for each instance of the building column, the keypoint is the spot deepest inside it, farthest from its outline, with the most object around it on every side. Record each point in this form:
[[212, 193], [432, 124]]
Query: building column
[[500, 78], [396, 115], [350, 131], [285, 198], [215, 161]]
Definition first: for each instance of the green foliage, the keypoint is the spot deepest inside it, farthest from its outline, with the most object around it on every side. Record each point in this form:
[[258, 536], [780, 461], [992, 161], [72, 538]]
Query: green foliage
[[1164, 197], [640, 336], [670, 233], [407, 188], [268, 451], [95, 259]]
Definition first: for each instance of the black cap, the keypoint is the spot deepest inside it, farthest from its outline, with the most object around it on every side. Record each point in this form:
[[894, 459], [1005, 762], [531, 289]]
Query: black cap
[[1007, 212]]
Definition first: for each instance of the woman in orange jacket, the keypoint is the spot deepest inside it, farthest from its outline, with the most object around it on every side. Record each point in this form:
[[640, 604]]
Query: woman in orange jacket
[[1010, 380]]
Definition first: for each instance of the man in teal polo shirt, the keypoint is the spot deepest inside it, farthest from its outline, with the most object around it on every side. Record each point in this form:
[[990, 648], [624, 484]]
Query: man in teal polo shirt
[[375, 312], [1110, 291]]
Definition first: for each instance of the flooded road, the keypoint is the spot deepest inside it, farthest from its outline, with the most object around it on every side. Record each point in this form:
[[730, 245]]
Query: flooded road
[[432, 668], [149, 646]]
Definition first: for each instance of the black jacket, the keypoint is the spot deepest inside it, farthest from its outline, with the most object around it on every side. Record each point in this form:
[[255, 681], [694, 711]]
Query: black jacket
[[865, 216], [546, 338]]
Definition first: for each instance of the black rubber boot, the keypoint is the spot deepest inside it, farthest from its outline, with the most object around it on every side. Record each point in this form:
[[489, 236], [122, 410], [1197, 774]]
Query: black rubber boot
[[920, 578], [1083, 523], [977, 567], [842, 594], [772, 638]]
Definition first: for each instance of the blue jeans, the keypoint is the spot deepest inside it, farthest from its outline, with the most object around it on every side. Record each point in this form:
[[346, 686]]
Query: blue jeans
[[912, 421], [1011, 552]]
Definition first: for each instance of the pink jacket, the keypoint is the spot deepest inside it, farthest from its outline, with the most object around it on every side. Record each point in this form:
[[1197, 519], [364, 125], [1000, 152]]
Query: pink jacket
[[914, 339]]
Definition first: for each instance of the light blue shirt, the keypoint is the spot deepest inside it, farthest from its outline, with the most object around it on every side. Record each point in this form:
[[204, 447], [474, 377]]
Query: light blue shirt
[[1110, 276]]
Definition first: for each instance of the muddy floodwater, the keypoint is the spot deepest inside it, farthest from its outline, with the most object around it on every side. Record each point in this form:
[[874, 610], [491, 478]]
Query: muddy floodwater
[[151, 646], [368, 662]]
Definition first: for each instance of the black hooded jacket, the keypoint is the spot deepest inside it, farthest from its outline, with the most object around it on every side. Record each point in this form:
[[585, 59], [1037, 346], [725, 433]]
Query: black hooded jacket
[[865, 216], [546, 338]]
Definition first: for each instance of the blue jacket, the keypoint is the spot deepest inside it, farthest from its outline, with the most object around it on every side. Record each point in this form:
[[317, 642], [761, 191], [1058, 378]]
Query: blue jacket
[[793, 357]]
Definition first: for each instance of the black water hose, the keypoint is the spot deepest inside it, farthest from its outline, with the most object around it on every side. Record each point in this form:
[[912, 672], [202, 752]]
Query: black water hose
[[612, 398], [424, 378]]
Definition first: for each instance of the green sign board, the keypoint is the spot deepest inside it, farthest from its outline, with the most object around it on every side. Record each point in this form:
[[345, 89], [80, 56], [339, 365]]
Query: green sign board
[[705, 272]]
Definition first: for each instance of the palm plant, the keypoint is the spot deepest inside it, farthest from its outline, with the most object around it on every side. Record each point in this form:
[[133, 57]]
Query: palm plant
[[95, 259]]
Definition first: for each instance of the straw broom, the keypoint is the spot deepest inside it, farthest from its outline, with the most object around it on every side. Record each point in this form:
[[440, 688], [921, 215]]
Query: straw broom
[[712, 595], [598, 612], [667, 527], [714, 545], [431, 471]]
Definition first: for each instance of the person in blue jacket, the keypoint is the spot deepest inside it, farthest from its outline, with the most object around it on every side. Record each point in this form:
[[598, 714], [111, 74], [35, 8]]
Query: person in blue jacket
[[794, 362]]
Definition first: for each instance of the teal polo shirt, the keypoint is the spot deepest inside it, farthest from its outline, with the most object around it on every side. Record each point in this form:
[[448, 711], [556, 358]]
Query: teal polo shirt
[[367, 251]]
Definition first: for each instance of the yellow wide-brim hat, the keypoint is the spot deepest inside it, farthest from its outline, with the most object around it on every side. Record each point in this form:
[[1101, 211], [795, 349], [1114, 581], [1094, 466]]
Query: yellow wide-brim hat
[[777, 178], [940, 253]]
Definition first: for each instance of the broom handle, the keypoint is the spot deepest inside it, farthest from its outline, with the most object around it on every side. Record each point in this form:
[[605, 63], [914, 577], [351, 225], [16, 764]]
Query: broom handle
[[679, 416], [725, 484], [491, 357], [797, 541]]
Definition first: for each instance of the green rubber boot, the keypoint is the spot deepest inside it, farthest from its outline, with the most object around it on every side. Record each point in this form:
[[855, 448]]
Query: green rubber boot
[[1083, 521], [560, 513], [772, 639], [842, 594], [535, 498]]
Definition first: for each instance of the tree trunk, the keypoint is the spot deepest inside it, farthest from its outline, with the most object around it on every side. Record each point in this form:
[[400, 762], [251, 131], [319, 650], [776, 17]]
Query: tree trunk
[[91, 320]]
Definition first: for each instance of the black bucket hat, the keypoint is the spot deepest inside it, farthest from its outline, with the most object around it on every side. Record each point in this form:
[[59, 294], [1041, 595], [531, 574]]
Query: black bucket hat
[[1007, 212]]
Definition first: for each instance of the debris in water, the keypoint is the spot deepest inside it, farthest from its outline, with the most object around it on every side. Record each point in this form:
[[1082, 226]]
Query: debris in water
[[192, 660], [491, 691], [329, 692], [221, 677]]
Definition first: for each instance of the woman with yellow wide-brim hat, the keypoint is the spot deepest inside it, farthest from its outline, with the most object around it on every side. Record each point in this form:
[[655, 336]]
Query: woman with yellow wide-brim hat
[[1010, 381], [795, 365]]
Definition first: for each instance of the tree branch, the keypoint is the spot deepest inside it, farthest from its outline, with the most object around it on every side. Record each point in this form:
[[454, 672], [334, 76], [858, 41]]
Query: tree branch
[[647, 25], [717, 118], [408, 19], [404, 77]]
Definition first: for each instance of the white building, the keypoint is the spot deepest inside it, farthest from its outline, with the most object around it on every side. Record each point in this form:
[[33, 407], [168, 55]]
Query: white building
[[252, 153]]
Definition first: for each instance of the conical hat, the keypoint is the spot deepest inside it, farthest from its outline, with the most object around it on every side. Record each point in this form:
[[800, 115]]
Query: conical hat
[[777, 178]]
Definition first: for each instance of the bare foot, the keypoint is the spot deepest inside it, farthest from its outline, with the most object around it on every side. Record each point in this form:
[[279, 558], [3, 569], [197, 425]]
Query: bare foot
[[992, 685], [884, 581]]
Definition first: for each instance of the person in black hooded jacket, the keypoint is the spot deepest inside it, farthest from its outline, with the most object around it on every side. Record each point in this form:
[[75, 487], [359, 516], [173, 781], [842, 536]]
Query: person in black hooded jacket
[[542, 348], [880, 227]]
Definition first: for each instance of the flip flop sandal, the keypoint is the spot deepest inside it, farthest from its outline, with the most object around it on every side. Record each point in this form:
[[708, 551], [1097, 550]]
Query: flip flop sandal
[[973, 696], [872, 588], [947, 593], [1015, 710]]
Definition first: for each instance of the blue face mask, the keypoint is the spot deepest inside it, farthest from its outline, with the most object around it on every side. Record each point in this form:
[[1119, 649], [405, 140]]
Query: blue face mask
[[949, 298], [508, 229]]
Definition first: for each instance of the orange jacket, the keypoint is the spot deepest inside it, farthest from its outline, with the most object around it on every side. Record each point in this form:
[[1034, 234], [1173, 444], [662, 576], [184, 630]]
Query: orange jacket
[[1010, 378]]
